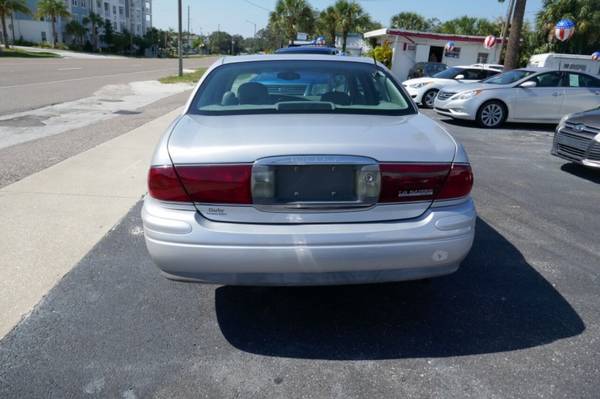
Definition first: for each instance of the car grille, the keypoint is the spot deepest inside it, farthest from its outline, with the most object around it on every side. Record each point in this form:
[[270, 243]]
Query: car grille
[[576, 143], [444, 95], [291, 90]]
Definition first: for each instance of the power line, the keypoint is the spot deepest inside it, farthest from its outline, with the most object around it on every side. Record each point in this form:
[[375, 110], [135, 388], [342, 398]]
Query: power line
[[257, 5]]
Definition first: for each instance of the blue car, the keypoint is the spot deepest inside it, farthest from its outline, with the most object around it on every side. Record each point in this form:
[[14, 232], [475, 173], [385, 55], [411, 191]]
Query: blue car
[[309, 50]]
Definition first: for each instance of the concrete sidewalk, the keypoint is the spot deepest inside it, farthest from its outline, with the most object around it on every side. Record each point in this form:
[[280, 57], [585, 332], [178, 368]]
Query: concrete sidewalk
[[51, 219]]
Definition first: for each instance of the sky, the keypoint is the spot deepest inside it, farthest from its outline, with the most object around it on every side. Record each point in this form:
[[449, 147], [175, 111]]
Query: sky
[[239, 16]]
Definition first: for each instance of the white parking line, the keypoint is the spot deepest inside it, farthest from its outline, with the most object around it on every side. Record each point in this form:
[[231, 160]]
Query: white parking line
[[68, 69]]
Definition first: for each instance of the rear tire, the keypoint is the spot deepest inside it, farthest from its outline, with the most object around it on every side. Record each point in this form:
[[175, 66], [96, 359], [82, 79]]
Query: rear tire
[[492, 114], [429, 98]]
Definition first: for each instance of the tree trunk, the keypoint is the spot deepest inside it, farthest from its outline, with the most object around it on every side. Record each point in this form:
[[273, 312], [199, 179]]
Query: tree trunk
[[4, 32], [94, 37], [344, 40], [54, 38], [514, 39], [332, 33]]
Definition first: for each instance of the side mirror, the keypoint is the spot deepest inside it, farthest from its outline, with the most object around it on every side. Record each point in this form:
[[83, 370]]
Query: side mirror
[[528, 85], [459, 77]]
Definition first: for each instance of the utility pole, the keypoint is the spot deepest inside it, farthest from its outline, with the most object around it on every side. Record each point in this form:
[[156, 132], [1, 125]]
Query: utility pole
[[511, 7], [179, 46], [511, 61], [252, 23], [189, 35]]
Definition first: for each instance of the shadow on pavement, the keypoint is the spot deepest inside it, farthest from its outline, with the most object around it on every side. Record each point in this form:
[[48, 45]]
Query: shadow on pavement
[[582, 172], [495, 302], [509, 126]]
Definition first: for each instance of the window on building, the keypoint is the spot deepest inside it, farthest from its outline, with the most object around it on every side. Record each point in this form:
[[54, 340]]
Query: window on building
[[482, 58], [455, 53], [44, 38], [115, 10], [121, 11], [98, 4]]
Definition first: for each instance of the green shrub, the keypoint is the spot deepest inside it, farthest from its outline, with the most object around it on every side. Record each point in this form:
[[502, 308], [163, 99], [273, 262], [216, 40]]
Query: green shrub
[[383, 54]]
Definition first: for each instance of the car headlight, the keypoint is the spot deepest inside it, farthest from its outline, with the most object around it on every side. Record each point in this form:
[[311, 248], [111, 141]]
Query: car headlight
[[465, 95], [561, 124], [419, 85]]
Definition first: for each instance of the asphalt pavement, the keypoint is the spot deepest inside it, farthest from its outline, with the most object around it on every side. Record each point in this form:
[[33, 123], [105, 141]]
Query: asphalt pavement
[[520, 319], [27, 84]]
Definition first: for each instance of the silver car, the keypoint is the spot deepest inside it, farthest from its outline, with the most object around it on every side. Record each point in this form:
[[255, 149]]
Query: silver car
[[521, 95], [577, 138], [304, 170]]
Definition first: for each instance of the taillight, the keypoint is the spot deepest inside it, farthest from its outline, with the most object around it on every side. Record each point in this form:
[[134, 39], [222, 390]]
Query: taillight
[[217, 184], [424, 182], [458, 184], [164, 185], [402, 182]]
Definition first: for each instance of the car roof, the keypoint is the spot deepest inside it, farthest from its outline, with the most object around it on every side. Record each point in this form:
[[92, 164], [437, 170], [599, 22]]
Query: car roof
[[307, 50], [294, 57]]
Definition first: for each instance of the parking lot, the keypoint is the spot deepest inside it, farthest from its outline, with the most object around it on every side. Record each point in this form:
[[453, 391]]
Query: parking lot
[[519, 319]]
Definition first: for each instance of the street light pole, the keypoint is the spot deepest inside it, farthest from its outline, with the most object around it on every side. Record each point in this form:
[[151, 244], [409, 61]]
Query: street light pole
[[179, 38]]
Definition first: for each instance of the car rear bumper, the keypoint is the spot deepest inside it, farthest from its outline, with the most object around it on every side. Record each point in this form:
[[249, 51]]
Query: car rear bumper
[[186, 246]]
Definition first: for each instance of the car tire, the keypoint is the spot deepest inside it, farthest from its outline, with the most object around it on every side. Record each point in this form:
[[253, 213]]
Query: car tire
[[491, 114], [429, 98]]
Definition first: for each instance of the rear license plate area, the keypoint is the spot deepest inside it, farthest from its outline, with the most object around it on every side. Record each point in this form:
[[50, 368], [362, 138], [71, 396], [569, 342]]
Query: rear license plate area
[[315, 183]]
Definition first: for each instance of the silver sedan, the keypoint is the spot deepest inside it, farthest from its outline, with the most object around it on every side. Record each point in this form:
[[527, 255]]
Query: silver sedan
[[521, 95], [303, 170]]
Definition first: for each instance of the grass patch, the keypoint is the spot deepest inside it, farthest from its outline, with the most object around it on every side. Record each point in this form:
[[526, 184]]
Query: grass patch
[[18, 53], [192, 77]]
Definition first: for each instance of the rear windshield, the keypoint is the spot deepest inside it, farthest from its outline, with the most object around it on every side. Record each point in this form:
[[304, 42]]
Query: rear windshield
[[306, 86]]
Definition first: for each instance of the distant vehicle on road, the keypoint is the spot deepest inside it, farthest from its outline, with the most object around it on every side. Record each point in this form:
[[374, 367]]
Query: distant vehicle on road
[[309, 50], [344, 183], [424, 90], [577, 138], [426, 69], [521, 95]]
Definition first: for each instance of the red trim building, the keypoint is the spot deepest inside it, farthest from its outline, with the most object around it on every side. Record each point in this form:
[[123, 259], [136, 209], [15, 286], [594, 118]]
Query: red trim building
[[410, 47]]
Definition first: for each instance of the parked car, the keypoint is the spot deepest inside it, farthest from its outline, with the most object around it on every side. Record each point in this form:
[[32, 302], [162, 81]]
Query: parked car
[[426, 69], [309, 50], [521, 95], [424, 90], [345, 184], [577, 138]]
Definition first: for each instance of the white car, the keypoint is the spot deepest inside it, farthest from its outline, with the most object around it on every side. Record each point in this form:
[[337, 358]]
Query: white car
[[424, 90], [521, 95], [297, 169]]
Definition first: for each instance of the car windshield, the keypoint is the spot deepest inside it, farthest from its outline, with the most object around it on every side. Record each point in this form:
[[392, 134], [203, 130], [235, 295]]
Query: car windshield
[[300, 86], [449, 73], [508, 77], [432, 69]]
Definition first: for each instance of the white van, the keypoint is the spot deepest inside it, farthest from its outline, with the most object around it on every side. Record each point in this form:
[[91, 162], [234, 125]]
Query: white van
[[564, 62]]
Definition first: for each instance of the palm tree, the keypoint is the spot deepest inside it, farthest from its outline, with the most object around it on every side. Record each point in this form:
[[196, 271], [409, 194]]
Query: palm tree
[[410, 21], [587, 30], [52, 9], [7, 8], [351, 16], [291, 17], [327, 23], [511, 60], [76, 30], [97, 22]]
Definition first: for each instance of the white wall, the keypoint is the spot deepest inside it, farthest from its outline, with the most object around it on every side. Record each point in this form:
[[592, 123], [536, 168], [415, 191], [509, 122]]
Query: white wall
[[31, 30]]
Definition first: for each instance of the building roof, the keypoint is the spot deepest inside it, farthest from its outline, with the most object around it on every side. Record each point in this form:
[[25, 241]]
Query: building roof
[[409, 34]]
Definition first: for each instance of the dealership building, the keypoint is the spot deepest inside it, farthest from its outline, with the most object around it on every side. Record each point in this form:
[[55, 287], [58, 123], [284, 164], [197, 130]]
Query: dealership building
[[410, 47]]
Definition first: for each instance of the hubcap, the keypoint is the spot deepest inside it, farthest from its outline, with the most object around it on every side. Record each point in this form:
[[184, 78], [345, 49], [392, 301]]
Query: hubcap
[[492, 114], [430, 98]]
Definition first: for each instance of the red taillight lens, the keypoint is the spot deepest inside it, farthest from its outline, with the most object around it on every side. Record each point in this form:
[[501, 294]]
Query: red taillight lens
[[458, 184], [217, 184], [411, 182], [164, 185]]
